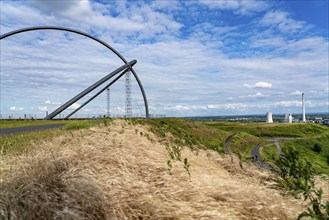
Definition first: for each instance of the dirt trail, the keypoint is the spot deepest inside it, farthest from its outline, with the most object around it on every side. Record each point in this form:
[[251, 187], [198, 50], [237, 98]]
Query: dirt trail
[[121, 172]]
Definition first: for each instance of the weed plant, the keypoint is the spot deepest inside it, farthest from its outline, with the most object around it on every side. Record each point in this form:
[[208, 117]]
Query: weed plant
[[297, 176], [175, 154]]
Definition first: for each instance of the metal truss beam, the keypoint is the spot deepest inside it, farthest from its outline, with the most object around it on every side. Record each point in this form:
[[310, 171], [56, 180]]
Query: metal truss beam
[[89, 89], [97, 94]]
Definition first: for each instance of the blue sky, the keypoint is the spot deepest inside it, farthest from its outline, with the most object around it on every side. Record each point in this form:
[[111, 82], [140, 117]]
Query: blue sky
[[194, 58]]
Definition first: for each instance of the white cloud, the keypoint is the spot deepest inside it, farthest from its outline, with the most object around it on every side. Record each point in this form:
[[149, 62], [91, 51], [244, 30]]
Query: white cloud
[[256, 95], [48, 102], [76, 10], [239, 7], [308, 104], [14, 108], [259, 85], [229, 99], [281, 20], [288, 104], [296, 93], [42, 108]]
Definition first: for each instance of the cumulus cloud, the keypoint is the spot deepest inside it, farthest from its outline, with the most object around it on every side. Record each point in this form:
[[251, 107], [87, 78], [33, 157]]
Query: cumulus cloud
[[282, 21], [288, 104], [299, 104], [296, 93], [259, 85], [42, 108], [257, 95], [48, 102], [14, 108], [238, 6], [75, 10]]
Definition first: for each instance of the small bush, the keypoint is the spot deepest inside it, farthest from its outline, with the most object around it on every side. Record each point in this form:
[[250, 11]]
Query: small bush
[[76, 126], [316, 148], [297, 176]]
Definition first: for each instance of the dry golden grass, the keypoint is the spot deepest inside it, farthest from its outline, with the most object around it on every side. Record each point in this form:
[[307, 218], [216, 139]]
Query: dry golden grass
[[118, 172]]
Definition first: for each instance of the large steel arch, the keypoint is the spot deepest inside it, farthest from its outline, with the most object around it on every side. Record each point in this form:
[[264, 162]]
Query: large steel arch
[[88, 36]]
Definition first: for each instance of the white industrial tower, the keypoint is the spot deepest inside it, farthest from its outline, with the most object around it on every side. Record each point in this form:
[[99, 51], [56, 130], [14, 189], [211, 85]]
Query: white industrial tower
[[269, 118], [128, 95], [108, 102], [303, 108]]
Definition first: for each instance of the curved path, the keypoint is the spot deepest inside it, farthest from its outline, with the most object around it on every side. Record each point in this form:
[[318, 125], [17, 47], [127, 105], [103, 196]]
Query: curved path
[[256, 158], [255, 154], [227, 144], [6, 131]]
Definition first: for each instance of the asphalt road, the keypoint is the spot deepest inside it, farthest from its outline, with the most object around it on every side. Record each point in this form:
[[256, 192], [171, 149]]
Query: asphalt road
[[255, 155], [6, 131]]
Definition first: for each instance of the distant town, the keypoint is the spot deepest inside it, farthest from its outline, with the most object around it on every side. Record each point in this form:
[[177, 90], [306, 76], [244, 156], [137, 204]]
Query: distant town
[[319, 118]]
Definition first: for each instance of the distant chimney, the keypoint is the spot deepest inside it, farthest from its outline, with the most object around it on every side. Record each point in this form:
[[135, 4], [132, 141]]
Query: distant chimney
[[303, 108]]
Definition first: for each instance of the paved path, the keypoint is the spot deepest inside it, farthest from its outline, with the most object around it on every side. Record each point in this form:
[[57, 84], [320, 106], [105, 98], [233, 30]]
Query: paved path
[[227, 144], [255, 154], [6, 131]]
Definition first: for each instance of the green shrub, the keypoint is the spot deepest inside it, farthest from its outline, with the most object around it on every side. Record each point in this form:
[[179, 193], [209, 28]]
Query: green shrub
[[295, 173], [76, 126], [316, 148], [297, 176]]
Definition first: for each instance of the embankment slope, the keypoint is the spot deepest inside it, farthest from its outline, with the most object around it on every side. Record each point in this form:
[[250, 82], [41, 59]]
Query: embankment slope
[[120, 171]]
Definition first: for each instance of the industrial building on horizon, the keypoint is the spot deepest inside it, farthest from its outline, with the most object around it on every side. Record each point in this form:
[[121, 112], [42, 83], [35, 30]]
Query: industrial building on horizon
[[288, 117]]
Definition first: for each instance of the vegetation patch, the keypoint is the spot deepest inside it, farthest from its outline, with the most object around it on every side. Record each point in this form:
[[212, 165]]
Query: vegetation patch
[[297, 175], [242, 143], [305, 147], [186, 132], [23, 142], [24, 123], [269, 153], [272, 130]]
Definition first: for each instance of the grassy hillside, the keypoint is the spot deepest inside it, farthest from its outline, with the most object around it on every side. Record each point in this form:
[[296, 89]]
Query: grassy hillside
[[243, 142], [271, 130], [197, 135], [119, 170], [319, 160], [307, 135], [187, 132]]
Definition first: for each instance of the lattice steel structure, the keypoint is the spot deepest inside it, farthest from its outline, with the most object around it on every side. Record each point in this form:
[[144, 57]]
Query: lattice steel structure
[[128, 66], [108, 102], [128, 95]]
